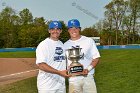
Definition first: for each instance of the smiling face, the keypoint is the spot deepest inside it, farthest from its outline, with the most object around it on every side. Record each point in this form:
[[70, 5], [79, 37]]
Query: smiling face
[[55, 33], [74, 33]]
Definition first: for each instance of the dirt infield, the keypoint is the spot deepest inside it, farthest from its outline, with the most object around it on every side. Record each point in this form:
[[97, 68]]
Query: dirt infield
[[14, 69]]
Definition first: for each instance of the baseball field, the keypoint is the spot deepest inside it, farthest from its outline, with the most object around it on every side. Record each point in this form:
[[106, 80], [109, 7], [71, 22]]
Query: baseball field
[[117, 72]]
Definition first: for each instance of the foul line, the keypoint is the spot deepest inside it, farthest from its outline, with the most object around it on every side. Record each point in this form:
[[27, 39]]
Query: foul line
[[17, 73]]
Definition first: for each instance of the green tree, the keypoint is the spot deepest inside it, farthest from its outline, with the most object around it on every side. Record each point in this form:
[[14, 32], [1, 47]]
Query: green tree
[[40, 29], [64, 36], [26, 20], [134, 9], [107, 37], [115, 12], [90, 32], [26, 16], [7, 27]]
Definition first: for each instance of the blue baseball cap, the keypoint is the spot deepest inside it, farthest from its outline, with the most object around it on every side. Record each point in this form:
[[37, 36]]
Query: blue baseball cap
[[55, 24], [74, 23]]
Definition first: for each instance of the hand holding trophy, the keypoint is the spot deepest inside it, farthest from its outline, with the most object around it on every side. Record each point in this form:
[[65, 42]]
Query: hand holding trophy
[[74, 55]]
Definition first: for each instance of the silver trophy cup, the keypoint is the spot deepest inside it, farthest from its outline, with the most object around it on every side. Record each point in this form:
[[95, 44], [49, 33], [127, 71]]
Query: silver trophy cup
[[75, 55]]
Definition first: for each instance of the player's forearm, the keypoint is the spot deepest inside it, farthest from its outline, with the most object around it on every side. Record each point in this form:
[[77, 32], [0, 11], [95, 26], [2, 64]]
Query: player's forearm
[[45, 67], [95, 62]]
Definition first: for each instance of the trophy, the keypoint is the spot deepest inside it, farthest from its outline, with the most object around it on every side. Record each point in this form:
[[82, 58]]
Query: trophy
[[74, 55]]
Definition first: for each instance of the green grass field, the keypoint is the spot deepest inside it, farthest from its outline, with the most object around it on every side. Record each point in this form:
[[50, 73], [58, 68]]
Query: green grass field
[[117, 72], [23, 54]]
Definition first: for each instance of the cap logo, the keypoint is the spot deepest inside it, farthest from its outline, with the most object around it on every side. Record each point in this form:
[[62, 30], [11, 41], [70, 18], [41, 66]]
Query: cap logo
[[55, 23], [72, 22]]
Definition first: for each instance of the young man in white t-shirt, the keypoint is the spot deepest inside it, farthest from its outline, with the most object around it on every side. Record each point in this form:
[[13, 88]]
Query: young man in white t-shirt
[[50, 58], [85, 82]]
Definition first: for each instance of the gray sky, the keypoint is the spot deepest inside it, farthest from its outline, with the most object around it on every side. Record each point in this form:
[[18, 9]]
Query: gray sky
[[88, 12]]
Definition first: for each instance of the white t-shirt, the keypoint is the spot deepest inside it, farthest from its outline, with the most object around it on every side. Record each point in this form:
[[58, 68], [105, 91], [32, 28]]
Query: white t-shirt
[[89, 50], [51, 52]]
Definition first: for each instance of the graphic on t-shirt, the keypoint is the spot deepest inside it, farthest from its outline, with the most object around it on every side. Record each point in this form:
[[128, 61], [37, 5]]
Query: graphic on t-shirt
[[58, 50], [58, 54]]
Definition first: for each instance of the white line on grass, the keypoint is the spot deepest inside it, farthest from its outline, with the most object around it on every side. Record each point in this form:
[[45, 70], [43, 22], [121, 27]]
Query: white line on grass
[[18, 73]]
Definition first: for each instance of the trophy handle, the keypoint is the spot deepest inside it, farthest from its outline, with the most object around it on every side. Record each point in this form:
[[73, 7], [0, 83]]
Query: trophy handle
[[81, 56], [66, 58]]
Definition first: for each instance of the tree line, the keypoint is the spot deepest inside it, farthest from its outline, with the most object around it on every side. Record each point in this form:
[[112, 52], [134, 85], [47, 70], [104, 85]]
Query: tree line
[[120, 26]]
